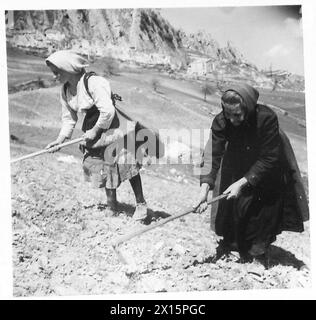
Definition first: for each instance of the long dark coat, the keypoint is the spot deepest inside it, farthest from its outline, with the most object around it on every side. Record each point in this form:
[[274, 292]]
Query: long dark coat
[[274, 199]]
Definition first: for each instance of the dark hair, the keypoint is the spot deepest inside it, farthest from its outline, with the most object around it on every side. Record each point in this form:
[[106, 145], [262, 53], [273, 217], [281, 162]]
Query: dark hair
[[232, 97]]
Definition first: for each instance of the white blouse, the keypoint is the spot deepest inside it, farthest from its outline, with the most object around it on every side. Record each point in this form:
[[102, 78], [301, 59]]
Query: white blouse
[[100, 91]]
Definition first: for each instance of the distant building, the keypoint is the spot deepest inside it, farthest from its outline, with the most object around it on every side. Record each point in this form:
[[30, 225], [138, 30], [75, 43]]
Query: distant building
[[201, 66], [276, 73]]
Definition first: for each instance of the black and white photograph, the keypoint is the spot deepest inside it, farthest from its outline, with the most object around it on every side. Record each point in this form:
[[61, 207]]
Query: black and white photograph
[[157, 149]]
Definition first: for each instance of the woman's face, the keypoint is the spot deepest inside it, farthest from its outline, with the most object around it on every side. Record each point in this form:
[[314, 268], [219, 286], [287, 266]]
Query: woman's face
[[234, 113], [60, 75]]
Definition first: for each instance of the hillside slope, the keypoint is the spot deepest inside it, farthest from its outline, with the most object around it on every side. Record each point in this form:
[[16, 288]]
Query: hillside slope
[[63, 230]]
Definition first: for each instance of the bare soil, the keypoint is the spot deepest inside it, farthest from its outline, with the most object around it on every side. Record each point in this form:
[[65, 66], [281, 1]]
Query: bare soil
[[63, 229]]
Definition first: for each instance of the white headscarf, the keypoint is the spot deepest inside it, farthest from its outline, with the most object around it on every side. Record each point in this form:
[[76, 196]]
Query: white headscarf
[[68, 61]]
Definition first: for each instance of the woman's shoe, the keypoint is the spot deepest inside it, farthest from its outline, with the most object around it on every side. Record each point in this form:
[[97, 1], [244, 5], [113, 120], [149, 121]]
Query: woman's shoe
[[245, 258], [222, 250], [140, 212], [257, 249]]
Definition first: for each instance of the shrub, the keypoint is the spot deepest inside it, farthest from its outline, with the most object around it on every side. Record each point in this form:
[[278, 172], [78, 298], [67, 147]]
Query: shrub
[[111, 67]]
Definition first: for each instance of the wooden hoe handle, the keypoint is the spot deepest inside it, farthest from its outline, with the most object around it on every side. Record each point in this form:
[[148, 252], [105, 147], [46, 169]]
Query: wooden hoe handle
[[160, 223], [37, 153]]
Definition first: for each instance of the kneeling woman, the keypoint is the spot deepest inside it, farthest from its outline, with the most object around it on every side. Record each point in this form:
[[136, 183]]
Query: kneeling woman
[[91, 95]]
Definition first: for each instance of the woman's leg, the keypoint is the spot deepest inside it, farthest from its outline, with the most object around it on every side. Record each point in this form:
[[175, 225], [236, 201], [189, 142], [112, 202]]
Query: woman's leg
[[136, 184], [140, 212], [111, 198]]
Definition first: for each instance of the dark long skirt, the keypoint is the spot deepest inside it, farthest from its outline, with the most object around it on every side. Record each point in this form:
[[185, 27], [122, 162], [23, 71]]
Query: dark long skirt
[[250, 221]]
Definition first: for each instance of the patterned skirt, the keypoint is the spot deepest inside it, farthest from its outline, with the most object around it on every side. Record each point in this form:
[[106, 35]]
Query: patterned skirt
[[104, 170], [101, 173]]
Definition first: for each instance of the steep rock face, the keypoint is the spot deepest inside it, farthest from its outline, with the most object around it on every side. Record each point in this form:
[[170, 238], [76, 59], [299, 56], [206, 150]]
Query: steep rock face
[[138, 35], [231, 53], [204, 43], [201, 42], [97, 31], [120, 32]]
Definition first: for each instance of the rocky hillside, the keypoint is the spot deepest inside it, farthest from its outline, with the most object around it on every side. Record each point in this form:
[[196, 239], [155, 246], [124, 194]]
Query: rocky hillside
[[204, 43], [134, 35]]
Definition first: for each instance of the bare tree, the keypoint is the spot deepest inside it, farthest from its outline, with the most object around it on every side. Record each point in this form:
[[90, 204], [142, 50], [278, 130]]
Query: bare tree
[[274, 78], [207, 88], [275, 83], [155, 83], [219, 81]]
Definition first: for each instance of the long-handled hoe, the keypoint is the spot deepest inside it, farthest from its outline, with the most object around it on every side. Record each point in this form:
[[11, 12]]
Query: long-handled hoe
[[124, 238], [37, 153]]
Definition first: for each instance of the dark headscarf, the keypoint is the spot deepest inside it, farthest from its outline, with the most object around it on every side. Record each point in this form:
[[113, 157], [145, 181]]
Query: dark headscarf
[[249, 94]]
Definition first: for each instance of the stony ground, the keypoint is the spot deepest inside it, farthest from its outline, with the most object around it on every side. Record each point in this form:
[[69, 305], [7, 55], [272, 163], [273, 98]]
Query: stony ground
[[63, 231]]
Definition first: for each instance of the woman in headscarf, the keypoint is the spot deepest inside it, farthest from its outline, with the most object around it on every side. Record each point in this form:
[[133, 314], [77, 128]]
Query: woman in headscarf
[[91, 94], [258, 173]]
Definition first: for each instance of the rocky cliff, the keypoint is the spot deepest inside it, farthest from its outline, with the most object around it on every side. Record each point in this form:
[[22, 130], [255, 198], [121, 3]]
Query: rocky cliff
[[204, 43], [120, 32], [138, 35]]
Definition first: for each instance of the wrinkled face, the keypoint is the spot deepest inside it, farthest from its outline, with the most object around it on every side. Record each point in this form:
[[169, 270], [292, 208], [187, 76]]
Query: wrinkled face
[[234, 113], [59, 74]]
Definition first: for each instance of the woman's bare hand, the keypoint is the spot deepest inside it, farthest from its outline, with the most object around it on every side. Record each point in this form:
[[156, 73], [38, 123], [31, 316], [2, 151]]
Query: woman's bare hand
[[54, 146], [234, 189], [201, 204], [90, 135]]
